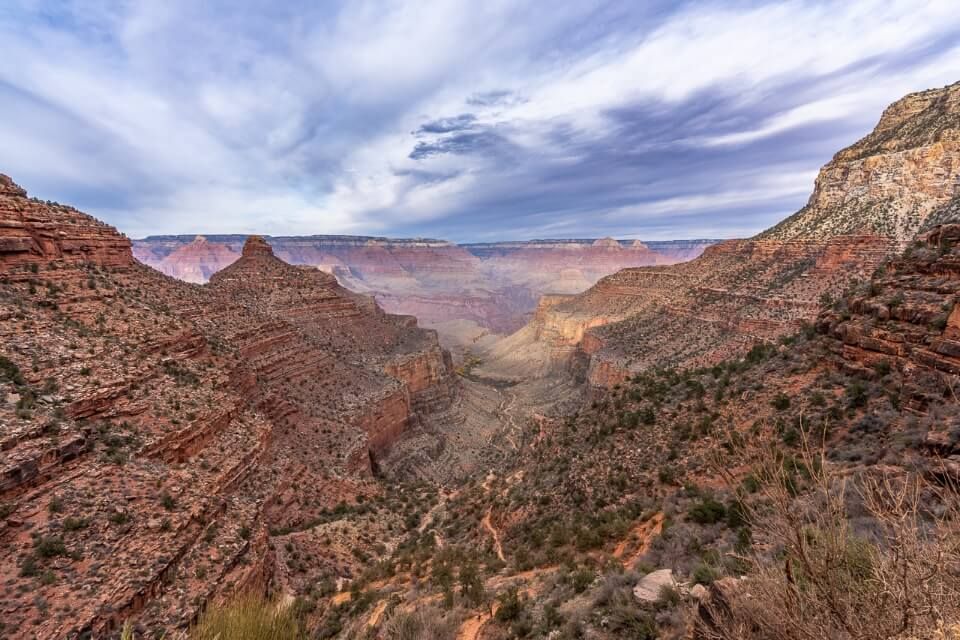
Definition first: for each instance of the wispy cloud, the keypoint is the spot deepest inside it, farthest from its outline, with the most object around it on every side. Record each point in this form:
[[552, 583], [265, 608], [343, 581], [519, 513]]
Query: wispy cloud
[[451, 118]]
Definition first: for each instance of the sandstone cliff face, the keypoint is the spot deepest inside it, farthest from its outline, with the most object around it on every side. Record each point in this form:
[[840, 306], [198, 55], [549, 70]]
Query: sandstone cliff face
[[157, 434], [868, 201], [193, 262], [34, 233], [889, 182]]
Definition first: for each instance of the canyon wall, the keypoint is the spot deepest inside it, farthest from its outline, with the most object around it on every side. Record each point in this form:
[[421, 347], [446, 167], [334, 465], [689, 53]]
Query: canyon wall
[[492, 287], [158, 435], [889, 182], [33, 231], [868, 202]]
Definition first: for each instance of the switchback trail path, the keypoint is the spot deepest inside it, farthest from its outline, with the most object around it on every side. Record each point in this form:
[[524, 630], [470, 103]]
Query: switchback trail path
[[496, 536], [431, 515], [507, 412], [377, 614], [644, 533]]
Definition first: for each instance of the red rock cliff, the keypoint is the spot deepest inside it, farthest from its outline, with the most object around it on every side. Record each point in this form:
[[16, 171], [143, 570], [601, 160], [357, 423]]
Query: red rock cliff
[[37, 233]]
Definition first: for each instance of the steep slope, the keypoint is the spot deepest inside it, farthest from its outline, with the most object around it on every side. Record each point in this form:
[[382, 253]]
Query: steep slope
[[664, 481], [158, 437], [868, 201]]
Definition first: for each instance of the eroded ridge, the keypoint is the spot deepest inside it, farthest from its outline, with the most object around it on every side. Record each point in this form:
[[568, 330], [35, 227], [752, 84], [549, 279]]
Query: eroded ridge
[[156, 435]]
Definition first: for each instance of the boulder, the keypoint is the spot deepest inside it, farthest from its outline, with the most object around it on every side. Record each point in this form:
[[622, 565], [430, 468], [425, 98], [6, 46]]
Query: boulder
[[648, 589]]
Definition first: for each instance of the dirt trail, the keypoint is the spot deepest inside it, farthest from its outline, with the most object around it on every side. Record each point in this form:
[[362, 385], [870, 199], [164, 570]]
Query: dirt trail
[[431, 515], [470, 630], [644, 532], [495, 534], [509, 419], [377, 614]]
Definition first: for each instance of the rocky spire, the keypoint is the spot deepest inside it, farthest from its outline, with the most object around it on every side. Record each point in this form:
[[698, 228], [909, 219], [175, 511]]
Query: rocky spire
[[257, 246]]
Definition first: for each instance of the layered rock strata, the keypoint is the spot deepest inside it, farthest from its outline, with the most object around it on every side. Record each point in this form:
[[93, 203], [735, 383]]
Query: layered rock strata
[[157, 435], [892, 180], [495, 286]]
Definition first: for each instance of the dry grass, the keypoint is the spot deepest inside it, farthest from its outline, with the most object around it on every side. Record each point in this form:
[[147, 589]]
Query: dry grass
[[426, 623], [249, 617], [895, 575]]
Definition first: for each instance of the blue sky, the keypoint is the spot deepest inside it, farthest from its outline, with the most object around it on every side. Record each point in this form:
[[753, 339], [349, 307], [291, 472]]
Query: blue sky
[[457, 119]]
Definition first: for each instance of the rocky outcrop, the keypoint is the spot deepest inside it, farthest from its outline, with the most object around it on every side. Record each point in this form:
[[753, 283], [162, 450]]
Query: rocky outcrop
[[34, 234], [907, 318], [650, 586], [889, 182]]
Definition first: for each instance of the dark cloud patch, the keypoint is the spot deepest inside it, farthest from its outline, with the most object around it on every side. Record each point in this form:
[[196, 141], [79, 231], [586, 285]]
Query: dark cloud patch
[[651, 173], [458, 144], [447, 125]]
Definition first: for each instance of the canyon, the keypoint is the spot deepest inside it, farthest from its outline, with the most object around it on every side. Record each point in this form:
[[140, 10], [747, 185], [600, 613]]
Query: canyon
[[466, 291], [155, 431], [255, 415]]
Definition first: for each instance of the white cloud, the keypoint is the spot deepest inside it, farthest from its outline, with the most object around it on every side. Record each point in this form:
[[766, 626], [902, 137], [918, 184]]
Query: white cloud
[[201, 118]]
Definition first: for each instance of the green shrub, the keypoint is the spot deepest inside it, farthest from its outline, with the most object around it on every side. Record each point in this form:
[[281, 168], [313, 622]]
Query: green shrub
[[707, 511], [781, 402], [119, 517], [581, 579], [511, 606], [50, 547], [856, 395], [626, 619], [704, 574], [56, 504], [10, 372], [74, 524], [423, 624], [28, 568]]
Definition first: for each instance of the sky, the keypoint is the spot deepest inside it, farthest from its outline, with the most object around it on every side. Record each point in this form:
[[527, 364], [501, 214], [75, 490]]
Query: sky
[[457, 119]]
